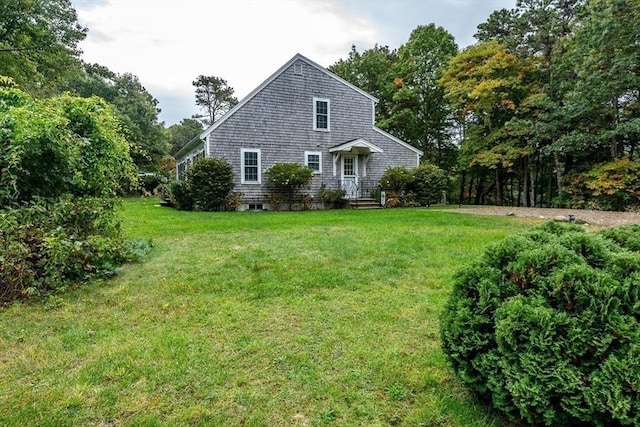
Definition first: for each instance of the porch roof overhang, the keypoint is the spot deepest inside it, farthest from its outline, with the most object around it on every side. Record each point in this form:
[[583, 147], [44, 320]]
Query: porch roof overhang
[[356, 146]]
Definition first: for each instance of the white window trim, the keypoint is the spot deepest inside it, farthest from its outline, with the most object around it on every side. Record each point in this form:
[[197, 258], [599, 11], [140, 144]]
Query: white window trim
[[315, 115], [242, 165], [306, 160]]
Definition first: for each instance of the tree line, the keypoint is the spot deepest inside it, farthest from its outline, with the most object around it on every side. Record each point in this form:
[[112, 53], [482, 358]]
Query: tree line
[[542, 111]]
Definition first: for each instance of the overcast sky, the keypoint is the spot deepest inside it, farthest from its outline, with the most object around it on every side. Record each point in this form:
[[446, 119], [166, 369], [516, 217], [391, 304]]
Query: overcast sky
[[168, 43]]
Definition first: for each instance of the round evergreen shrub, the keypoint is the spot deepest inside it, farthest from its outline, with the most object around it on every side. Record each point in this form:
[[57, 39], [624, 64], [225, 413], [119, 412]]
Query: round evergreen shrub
[[210, 180], [545, 326]]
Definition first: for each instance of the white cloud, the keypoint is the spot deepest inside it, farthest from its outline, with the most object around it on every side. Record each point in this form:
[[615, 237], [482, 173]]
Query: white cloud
[[168, 43]]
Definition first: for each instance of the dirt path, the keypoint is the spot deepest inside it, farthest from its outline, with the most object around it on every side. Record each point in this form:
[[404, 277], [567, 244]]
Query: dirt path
[[600, 218]]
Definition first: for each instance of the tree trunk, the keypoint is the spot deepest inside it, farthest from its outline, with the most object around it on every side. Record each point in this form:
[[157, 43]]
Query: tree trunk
[[614, 141], [526, 187], [512, 201], [479, 190], [550, 187], [558, 170], [520, 183], [498, 187], [462, 184], [536, 180]]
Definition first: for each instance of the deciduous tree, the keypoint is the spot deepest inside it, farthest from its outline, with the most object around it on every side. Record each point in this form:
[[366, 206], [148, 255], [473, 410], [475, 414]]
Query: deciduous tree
[[485, 86], [180, 134], [419, 113], [136, 108], [39, 43]]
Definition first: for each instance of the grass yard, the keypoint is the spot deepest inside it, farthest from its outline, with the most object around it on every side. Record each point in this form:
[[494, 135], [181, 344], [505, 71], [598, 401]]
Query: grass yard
[[253, 319]]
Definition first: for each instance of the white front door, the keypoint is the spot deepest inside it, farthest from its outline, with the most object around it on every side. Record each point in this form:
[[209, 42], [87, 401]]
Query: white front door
[[350, 176]]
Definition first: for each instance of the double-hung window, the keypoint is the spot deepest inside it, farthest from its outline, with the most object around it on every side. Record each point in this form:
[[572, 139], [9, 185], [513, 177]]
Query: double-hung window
[[313, 160], [250, 166], [321, 114]]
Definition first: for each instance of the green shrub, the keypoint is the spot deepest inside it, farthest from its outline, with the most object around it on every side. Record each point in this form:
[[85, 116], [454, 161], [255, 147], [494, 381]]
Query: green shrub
[[332, 197], [180, 195], [396, 179], [289, 179], [52, 243], [62, 160], [233, 201], [427, 183], [400, 187], [546, 326], [210, 181]]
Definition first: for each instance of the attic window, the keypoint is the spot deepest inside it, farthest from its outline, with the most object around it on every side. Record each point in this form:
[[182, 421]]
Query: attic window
[[297, 69]]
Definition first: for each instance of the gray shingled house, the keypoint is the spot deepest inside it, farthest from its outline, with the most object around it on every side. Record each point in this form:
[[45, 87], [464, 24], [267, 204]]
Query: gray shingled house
[[303, 113]]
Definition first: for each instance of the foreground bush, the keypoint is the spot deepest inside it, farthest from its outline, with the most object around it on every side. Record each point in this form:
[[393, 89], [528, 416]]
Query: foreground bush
[[50, 244], [62, 161], [546, 326]]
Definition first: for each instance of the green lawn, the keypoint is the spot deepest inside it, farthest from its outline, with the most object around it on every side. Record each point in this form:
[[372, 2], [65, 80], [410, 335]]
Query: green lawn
[[258, 319]]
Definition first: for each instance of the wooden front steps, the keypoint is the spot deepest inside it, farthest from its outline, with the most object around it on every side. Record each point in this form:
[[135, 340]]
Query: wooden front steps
[[364, 203]]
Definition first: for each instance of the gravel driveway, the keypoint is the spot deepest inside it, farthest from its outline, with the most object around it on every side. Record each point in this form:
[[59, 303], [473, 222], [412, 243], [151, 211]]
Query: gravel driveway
[[599, 218]]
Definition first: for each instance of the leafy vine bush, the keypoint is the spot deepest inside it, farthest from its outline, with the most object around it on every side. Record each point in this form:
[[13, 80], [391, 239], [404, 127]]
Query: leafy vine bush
[[62, 161], [49, 244], [545, 326]]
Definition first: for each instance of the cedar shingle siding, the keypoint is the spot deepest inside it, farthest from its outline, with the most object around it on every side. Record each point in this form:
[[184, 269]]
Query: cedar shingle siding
[[278, 119]]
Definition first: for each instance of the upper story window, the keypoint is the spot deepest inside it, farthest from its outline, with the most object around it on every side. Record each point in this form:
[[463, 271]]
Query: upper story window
[[313, 160], [251, 163], [321, 114]]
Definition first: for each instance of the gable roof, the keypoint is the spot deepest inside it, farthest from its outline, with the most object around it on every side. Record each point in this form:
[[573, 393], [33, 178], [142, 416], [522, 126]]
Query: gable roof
[[356, 143], [200, 138], [190, 145], [399, 141]]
